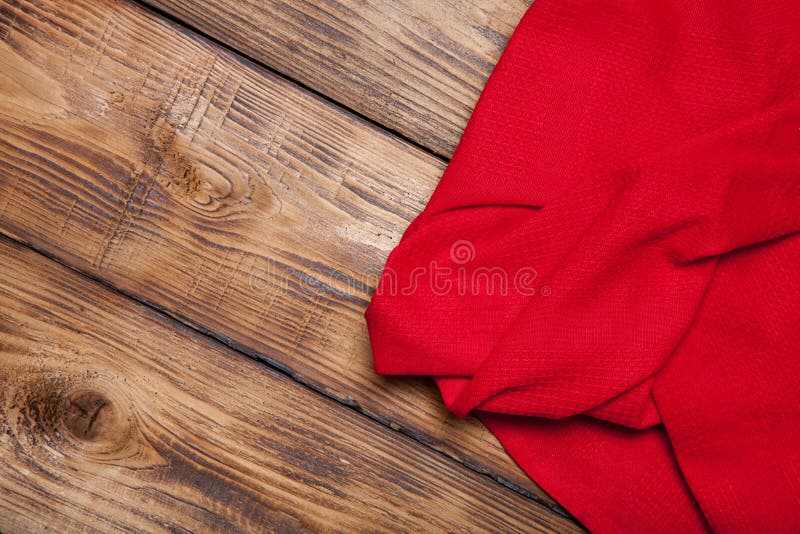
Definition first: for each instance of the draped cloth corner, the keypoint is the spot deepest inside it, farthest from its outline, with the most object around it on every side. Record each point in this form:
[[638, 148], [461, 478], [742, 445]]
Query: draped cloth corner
[[608, 273]]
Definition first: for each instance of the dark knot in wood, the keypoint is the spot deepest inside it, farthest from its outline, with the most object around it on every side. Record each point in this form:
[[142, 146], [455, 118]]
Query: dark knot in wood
[[68, 412], [202, 176], [88, 415]]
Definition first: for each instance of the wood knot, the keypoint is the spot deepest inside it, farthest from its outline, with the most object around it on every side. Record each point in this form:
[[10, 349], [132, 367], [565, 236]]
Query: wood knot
[[89, 415], [80, 417], [66, 412], [203, 176]]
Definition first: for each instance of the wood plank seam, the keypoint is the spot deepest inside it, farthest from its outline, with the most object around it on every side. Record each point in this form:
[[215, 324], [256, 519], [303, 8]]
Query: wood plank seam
[[289, 373], [355, 113], [295, 377], [77, 402], [415, 67]]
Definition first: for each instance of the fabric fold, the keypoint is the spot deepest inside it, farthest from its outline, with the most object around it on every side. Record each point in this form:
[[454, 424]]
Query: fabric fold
[[598, 271]]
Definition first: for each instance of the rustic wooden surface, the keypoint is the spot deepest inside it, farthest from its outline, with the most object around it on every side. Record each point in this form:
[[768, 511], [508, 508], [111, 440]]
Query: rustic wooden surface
[[114, 416], [206, 187], [415, 66]]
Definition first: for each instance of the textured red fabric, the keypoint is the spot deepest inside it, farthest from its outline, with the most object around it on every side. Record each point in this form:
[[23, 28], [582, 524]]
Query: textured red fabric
[[609, 270]]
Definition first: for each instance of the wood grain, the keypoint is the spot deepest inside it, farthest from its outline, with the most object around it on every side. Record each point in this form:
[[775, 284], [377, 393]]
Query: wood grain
[[193, 181], [416, 66], [113, 417]]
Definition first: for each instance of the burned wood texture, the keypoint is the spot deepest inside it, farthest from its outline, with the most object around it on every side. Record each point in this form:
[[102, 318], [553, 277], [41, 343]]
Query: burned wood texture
[[206, 187]]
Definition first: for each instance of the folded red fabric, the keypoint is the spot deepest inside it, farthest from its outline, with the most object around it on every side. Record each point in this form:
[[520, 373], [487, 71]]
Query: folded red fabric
[[609, 270]]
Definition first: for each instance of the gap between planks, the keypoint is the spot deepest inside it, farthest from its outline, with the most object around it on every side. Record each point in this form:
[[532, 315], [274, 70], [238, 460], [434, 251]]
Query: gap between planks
[[109, 241], [415, 66], [293, 80], [289, 373], [61, 393]]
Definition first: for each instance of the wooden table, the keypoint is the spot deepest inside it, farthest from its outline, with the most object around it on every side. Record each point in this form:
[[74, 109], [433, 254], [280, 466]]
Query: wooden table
[[196, 200]]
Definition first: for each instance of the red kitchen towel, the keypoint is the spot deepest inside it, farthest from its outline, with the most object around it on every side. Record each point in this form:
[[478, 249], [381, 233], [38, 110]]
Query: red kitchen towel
[[608, 273]]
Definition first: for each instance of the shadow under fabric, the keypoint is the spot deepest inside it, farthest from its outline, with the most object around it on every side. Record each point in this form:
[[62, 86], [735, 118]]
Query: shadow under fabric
[[641, 161]]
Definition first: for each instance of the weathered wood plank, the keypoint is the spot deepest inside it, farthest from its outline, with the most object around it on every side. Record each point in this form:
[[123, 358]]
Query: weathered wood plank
[[416, 66], [113, 417], [150, 159]]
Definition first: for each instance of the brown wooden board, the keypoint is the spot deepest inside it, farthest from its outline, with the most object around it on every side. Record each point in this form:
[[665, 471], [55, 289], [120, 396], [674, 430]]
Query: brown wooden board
[[114, 417], [193, 181], [415, 66]]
